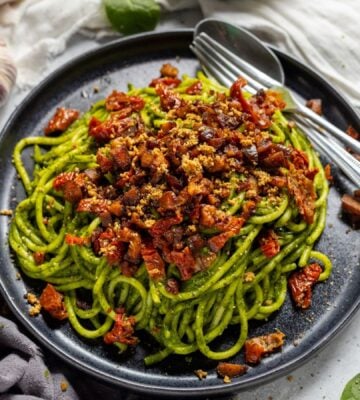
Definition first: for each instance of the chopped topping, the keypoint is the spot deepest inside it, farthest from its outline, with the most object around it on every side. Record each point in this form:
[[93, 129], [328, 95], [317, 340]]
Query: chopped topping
[[301, 284], [315, 105], [231, 370], [52, 302], [122, 331], [39, 257], [173, 286], [200, 374], [302, 189], [117, 101], [169, 70], [353, 133], [350, 205], [195, 88], [351, 208], [73, 240], [153, 262], [328, 175], [166, 81], [258, 347], [269, 244], [61, 120], [159, 192]]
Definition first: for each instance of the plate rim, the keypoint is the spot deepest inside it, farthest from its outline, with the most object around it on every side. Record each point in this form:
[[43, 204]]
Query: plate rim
[[138, 386]]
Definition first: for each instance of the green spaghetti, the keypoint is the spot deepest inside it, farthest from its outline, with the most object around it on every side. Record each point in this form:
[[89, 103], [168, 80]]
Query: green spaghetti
[[181, 209]]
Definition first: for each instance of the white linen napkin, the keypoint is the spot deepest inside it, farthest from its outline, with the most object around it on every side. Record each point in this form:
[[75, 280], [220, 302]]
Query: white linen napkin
[[325, 34]]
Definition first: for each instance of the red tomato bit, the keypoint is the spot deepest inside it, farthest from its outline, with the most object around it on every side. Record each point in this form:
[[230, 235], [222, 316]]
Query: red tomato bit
[[52, 301], [122, 331], [61, 120], [301, 284], [258, 347]]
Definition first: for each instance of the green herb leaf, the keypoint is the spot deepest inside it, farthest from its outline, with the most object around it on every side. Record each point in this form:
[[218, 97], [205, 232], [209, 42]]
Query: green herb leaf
[[352, 389], [132, 16]]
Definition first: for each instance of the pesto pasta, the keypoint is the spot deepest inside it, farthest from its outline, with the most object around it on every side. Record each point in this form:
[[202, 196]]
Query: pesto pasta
[[180, 208]]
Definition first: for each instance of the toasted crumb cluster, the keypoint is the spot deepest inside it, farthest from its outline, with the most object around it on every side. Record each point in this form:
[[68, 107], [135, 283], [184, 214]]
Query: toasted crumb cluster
[[35, 304], [168, 195]]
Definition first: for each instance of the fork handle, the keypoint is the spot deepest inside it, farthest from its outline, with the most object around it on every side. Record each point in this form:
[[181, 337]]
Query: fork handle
[[328, 126]]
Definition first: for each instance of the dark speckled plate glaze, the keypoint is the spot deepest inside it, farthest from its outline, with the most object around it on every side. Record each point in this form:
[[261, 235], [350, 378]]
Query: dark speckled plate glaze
[[138, 59]]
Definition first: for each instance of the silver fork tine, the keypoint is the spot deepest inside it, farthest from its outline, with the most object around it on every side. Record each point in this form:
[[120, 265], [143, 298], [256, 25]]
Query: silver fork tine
[[201, 41], [244, 66], [215, 59], [267, 81], [212, 68]]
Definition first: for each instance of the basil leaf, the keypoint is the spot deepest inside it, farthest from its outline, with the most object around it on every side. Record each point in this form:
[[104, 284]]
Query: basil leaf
[[132, 16], [352, 389]]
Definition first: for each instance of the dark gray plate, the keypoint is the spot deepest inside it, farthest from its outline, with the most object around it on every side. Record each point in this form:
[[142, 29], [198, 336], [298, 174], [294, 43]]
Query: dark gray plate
[[137, 60]]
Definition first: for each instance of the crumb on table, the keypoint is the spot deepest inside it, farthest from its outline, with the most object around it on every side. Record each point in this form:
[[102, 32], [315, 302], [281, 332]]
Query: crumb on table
[[5, 212], [200, 374], [35, 303], [64, 386]]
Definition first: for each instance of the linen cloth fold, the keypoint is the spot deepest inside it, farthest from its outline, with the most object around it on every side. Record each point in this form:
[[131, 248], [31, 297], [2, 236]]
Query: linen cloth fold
[[324, 33], [23, 373]]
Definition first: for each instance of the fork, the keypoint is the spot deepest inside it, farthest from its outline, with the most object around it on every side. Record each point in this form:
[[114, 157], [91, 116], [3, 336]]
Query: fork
[[223, 65]]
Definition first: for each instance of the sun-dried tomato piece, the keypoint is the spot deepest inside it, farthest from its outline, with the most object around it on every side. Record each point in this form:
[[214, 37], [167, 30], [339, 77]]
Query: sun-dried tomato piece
[[274, 160], [236, 93], [167, 201], [161, 226], [61, 120], [328, 176], [118, 101], [93, 205], [195, 88], [63, 178], [72, 192], [315, 105], [350, 205], [353, 132], [70, 184], [39, 257], [73, 240], [302, 189], [172, 286], [269, 244], [185, 262], [168, 98], [301, 284], [154, 264], [121, 156], [122, 331], [230, 369], [169, 70], [216, 243], [258, 347], [299, 159], [117, 124], [52, 301], [166, 81]]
